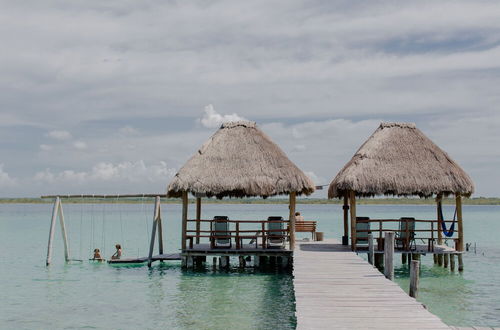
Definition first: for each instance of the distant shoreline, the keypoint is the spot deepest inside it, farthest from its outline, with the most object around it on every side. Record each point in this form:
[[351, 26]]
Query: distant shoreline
[[363, 201]]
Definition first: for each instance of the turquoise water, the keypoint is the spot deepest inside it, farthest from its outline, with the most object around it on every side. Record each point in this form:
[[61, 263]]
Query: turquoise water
[[100, 296]]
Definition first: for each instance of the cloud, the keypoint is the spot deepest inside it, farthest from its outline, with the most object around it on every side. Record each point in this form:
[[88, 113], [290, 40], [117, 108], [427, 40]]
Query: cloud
[[80, 145], [5, 179], [59, 135], [128, 172], [46, 147], [212, 119], [128, 130]]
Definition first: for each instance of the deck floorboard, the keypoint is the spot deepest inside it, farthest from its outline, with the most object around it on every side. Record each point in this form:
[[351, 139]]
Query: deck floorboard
[[336, 289]]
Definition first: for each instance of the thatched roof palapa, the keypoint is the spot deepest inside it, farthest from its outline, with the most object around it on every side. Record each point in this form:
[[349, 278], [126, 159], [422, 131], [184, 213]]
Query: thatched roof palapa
[[398, 159], [239, 160]]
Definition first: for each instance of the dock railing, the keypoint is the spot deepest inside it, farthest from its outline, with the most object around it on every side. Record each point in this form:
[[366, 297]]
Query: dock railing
[[254, 230], [425, 230]]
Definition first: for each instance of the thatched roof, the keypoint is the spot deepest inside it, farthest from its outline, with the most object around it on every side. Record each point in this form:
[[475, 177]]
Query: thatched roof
[[239, 160], [398, 159]]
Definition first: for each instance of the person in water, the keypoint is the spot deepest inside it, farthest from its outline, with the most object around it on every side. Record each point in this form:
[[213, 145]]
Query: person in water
[[97, 255], [298, 217], [118, 253]]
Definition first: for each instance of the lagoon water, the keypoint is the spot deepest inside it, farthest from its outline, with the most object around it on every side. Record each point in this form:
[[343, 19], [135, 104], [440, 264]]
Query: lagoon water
[[100, 296]]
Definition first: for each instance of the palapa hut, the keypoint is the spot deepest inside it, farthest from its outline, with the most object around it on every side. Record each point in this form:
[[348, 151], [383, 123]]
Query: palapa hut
[[239, 160], [398, 159]]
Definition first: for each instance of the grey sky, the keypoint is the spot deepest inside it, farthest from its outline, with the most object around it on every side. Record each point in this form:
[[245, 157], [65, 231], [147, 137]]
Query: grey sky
[[110, 97]]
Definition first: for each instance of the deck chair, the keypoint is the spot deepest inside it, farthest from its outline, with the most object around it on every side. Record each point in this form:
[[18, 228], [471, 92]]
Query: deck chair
[[220, 236], [362, 237], [405, 237], [275, 237]]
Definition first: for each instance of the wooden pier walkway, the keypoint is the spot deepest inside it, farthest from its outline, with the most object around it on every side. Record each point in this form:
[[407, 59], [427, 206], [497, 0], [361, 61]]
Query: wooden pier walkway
[[337, 289]]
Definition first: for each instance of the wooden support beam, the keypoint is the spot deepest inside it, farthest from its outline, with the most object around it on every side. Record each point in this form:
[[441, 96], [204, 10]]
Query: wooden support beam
[[55, 211], [198, 217], [352, 202], [404, 257], [460, 262], [292, 220], [63, 232], [345, 207], [452, 262], [389, 255], [435, 257], [439, 198], [152, 242], [160, 224], [440, 259], [379, 261], [156, 224], [446, 258], [185, 202], [458, 200], [414, 278]]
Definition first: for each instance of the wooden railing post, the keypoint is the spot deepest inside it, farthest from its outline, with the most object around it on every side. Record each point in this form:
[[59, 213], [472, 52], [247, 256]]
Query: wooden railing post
[[198, 217], [184, 218], [439, 225], [371, 250], [345, 207], [414, 278], [352, 202], [389, 255], [458, 200]]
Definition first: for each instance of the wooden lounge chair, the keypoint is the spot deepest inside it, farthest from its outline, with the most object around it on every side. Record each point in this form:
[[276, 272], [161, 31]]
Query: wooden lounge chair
[[362, 236], [220, 236], [405, 237], [275, 235]]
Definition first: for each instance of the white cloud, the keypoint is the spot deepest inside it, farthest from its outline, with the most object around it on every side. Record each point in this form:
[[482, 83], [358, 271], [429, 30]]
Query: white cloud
[[125, 172], [59, 135], [80, 145], [212, 119], [5, 179], [46, 147], [128, 130]]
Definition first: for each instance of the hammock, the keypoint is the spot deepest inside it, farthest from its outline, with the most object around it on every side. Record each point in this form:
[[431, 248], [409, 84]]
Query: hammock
[[446, 232]]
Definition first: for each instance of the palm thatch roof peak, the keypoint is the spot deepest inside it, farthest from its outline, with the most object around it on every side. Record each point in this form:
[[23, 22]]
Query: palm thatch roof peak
[[239, 160], [398, 159]]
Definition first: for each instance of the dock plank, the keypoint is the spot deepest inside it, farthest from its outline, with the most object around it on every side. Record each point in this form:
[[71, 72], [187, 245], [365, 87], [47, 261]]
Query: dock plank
[[335, 288]]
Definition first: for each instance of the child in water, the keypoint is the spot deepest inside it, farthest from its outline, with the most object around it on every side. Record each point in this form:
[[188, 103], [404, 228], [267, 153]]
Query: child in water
[[97, 255], [118, 253]]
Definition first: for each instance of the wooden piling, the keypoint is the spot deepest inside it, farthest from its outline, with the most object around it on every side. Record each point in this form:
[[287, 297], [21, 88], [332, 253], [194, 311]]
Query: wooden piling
[[458, 200], [414, 278], [446, 258], [460, 262], [184, 218], [389, 255], [440, 259], [352, 202], [214, 263], [452, 262], [198, 217], [371, 249], [404, 257], [63, 232], [379, 260], [435, 257], [345, 207], [256, 261], [242, 262]]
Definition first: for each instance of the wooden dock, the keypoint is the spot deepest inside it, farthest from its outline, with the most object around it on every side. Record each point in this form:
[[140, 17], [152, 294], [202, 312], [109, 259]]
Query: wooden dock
[[140, 260], [335, 288]]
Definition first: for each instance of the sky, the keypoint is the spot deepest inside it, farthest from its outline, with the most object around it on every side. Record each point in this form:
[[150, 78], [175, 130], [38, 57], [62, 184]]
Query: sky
[[115, 96]]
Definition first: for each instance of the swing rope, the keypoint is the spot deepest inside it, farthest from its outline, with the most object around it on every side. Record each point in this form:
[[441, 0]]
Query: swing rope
[[81, 228], [121, 220], [103, 234], [447, 232]]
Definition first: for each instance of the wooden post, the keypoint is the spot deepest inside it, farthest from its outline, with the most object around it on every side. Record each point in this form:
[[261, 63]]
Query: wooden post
[[414, 278], [440, 259], [404, 257], [184, 218], [352, 202], [152, 240], [389, 255], [458, 200], [160, 224], [379, 260], [452, 262], [439, 226], [292, 220], [371, 250], [256, 261], [55, 211], [242, 262], [460, 262], [63, 232], [214, 263], [198, 217], [435, 257], [446, 258], [345, 207]]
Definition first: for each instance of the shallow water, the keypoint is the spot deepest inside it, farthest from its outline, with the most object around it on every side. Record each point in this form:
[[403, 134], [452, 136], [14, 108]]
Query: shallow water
[[100, 296]]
